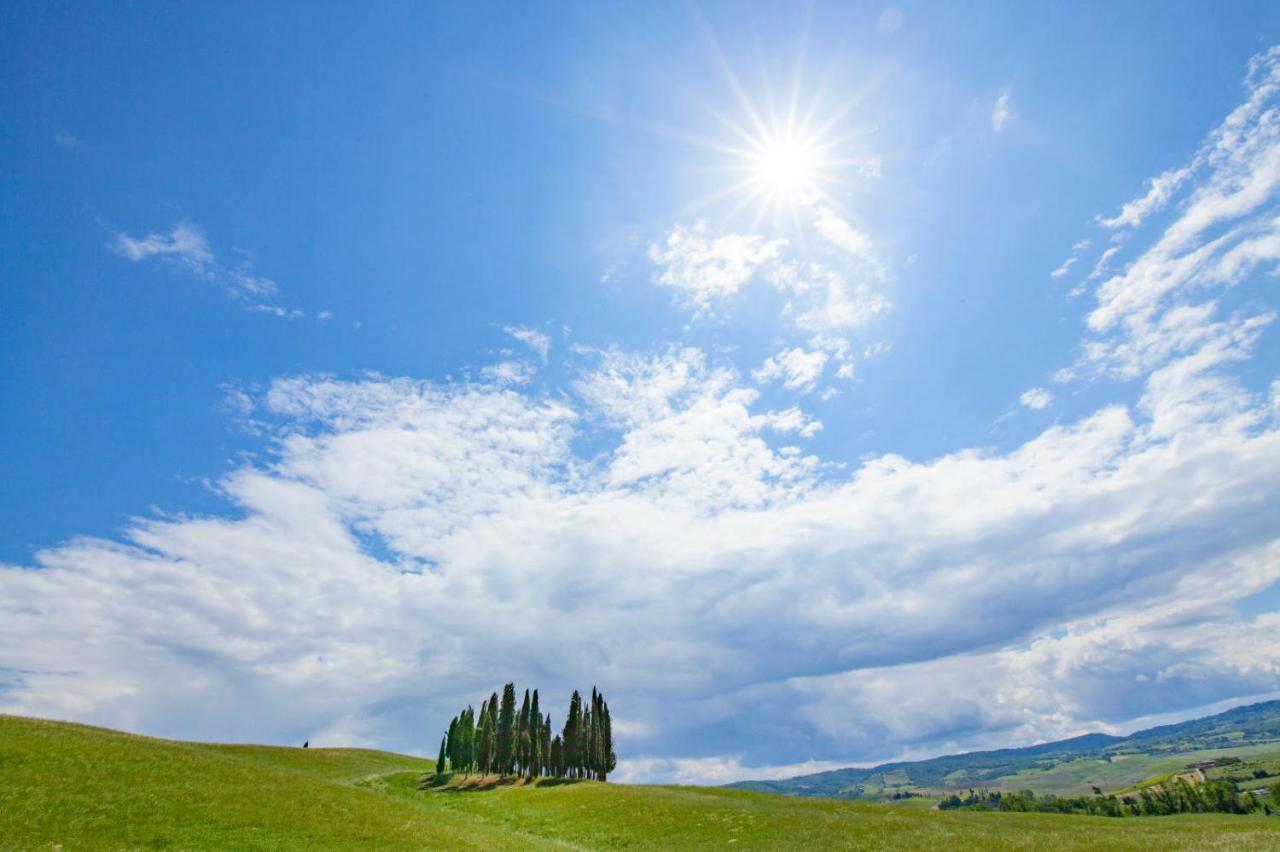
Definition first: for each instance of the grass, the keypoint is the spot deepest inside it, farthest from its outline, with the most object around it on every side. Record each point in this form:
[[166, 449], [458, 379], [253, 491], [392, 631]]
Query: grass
[[87, 788]]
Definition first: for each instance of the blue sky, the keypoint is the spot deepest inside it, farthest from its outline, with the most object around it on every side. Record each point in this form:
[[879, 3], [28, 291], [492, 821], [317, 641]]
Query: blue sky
[[775, 369]]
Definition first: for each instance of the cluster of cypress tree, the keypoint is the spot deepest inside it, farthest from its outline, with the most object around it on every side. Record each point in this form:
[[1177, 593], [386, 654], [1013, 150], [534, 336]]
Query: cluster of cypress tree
[[506, 742]]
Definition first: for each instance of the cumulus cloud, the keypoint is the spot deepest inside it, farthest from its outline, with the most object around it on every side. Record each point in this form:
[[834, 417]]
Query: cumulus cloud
[[833, 289], [1036, 398], [703, 267], [796, 368]]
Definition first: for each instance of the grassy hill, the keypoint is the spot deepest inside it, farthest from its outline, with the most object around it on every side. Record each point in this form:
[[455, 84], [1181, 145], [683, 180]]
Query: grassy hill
[[77, 787], [1065, 767]]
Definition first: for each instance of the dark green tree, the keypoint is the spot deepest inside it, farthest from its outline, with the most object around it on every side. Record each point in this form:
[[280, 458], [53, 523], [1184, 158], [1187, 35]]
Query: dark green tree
[[440, 767], [523, 724], [534, 733], [572, 736], [507, 730]]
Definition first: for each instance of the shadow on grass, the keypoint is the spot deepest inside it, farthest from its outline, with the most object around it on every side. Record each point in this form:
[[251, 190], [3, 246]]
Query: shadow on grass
[[451, 783]]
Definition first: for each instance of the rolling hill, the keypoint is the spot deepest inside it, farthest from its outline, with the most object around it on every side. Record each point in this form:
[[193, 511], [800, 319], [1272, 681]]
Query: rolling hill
[[70, 787], [1071, 766]]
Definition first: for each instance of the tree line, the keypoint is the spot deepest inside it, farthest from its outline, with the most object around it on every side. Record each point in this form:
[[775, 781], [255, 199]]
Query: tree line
[[504, 741], [1179, 796]]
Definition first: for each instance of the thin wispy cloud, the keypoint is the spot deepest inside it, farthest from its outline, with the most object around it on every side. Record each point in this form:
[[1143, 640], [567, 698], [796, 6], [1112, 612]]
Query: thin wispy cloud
[[1002, 114], [186, 246]]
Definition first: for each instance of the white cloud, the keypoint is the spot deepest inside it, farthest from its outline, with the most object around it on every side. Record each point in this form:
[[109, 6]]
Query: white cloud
[[185, 242], [531, 337], [798, 369], [1002, 114], [705, 268], [509, 372], [187, 246], [1064, 267], [65, 140], [1162, 188], [843, 234], [1036, 398], [1162, 305]]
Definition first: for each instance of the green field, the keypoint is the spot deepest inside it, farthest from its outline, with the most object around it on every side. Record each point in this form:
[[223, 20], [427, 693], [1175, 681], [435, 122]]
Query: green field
[[77, 787]]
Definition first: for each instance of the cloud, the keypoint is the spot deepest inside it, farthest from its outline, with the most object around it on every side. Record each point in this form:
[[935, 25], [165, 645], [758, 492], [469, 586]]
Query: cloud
[[844, 235], [185, 242], [509, 373], [798, 369], [704, 268], [1166, 300], [186, 246], [1036, 398], [531, 337], [1162, 188], [1064, 267], [833, 289], [1002, 114], [65, 140]]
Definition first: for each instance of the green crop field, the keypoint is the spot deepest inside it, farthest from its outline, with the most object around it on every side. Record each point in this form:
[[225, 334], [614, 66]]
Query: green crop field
[[75, 787]]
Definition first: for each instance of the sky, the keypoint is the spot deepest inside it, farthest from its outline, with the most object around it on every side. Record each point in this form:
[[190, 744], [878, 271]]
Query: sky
[[827, 385]]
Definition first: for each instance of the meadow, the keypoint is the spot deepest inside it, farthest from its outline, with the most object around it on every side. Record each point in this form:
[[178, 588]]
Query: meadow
[[78, 787]]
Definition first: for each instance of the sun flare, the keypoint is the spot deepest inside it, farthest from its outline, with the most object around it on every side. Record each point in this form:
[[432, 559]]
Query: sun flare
[[787, 167]]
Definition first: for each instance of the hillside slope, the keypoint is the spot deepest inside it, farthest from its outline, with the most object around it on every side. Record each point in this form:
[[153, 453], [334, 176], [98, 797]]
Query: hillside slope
[[1069, 766], [88, 788]]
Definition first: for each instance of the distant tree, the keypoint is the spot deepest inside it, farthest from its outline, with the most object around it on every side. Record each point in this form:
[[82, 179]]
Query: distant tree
[[492, 744], [452, 742], [571, 736], [522, 737], [507, 730], [440, 767], [608, 756], [534, 733], [484, 750], [557, 756], [467, 731]]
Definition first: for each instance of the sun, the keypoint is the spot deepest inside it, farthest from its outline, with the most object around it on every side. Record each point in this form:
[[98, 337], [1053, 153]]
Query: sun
[[787, 168], [781, 162]]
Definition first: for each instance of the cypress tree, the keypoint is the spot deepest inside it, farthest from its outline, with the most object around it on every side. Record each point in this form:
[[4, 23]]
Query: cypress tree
[[493, 733], [535, 738], [557, 757], [507, 730], [610, 756], [452, 749], [507, 740], [522, 737], [572, 725], [483, 755], [467, 727], [584, 743]]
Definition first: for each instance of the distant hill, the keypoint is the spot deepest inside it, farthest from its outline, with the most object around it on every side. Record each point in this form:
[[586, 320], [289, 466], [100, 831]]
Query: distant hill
[[1067, 766], [74, 787]]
